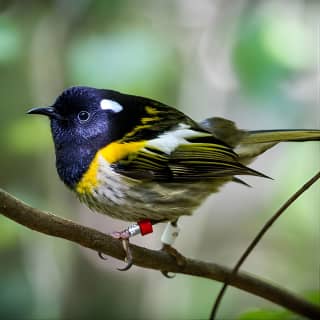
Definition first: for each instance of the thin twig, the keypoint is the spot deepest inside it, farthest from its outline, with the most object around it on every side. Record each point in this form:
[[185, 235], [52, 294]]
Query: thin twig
[[258, 237], [52, 225]]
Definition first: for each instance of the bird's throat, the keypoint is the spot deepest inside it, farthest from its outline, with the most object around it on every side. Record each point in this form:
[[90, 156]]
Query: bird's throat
[[73, 162]]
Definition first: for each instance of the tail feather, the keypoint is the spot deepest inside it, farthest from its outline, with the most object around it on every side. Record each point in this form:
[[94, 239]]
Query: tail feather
[[257, 142], [250, 144], [266, 136]]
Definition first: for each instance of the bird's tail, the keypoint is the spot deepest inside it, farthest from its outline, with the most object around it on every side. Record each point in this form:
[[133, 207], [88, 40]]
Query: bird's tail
[[256, 142], [263, 136], [250, 144]]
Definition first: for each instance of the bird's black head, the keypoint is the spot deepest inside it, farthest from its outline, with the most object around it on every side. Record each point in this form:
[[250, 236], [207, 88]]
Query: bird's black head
[[82, 113], [83, 120]]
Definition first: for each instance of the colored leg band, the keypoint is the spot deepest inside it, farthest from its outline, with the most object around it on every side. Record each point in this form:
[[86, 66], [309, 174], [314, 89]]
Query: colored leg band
[[170, 234], [134, 229], [143, 227]]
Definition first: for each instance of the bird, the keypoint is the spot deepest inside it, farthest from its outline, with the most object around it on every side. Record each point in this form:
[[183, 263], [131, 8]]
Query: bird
[[140, 160]]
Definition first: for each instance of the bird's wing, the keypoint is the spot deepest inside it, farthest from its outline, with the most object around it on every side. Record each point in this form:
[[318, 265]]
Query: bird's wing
[[183, 154], [207, 158]]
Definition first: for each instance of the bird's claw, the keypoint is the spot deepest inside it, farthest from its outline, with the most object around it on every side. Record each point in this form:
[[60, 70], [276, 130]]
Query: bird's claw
[[168, 275], [124, 236], [128, 257], [101, 256], [142, 227], [179, 258]]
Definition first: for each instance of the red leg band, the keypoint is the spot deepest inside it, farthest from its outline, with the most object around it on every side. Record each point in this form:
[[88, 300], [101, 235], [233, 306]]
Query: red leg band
[[145, 227]]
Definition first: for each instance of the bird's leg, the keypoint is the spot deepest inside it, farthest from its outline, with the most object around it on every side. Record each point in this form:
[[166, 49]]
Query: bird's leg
[[142, 227], [124, 236], [168, 238]]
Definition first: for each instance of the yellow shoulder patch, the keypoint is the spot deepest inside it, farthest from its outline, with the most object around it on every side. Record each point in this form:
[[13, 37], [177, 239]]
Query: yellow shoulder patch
[[112, 153], [116, 151]]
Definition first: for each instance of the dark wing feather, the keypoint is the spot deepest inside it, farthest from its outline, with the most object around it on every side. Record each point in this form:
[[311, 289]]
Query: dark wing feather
[[205, 156], [210, 159], [147, 164], [207, 160], [156, 119]]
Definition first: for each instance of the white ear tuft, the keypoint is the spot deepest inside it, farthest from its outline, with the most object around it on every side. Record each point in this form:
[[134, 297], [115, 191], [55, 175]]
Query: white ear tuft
[[106, 104]]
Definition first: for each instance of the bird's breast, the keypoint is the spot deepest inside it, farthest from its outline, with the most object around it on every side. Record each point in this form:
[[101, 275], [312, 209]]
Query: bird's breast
[[99, 171], [121, 197]]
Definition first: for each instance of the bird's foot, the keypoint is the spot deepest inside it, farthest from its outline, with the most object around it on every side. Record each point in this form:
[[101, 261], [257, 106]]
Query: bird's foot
[[142, 227], [168, 238], [121, 235], [124, 236], [176, 255]]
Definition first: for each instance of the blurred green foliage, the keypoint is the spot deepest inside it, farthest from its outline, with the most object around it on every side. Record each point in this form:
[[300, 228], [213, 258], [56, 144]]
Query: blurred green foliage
[[155, 49], [10, 42], [263, 314], [258, 70], [121, 58], [266, 53]]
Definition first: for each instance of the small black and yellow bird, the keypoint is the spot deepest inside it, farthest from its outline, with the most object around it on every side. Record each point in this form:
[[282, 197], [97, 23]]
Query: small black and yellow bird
[[137, 159]]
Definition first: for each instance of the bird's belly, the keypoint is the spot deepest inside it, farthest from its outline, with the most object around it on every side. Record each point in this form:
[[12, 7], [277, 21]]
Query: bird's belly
[[132, 200]]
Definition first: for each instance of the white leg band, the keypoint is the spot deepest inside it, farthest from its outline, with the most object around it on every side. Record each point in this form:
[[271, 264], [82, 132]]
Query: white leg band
[[170, 234]]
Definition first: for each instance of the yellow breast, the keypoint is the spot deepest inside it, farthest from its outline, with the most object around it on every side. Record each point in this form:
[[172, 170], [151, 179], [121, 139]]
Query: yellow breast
[[111, 153]]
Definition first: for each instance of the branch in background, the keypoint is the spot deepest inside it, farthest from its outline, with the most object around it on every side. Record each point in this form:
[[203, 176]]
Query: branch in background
[[258, 237], [52, 225]]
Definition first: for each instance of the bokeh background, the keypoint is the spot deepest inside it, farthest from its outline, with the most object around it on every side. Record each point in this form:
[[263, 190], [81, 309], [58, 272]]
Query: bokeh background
[[255, 62]]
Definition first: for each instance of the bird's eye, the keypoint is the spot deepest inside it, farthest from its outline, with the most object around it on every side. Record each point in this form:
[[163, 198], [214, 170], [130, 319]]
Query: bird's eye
[[83, 116]]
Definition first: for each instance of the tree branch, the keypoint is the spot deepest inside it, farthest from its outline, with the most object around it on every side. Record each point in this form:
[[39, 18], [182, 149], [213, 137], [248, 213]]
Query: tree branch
[[258, 237], [52, 225]]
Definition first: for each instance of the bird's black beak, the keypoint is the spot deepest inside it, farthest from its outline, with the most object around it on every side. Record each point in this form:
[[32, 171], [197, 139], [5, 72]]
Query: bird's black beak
[[51, 112]]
